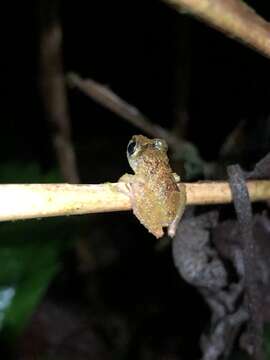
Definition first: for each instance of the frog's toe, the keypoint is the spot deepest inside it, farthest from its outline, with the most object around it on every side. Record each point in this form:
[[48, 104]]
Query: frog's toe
[[124, 187], [172, 228], [176, 177], [157, 232]]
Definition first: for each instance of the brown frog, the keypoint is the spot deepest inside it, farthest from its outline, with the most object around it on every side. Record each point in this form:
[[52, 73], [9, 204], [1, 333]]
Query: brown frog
[[156, 199]]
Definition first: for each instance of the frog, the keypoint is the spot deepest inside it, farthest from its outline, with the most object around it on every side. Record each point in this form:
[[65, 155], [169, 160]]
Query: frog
[[157, 196]]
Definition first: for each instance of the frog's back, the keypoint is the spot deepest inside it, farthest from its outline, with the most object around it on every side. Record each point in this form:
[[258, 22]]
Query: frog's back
[[158, 201], [158, 198]]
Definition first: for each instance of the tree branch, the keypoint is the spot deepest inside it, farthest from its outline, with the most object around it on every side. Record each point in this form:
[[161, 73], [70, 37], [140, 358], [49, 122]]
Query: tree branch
[[107, 98], [233, 17], [26, 201]]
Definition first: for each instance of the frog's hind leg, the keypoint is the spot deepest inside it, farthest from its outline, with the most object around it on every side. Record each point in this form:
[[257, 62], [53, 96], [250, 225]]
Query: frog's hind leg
[[173, 226], [182, 203]]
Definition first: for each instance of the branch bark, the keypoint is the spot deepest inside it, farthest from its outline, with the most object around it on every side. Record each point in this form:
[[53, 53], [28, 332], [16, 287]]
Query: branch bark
[[26, 201], [233, 17]]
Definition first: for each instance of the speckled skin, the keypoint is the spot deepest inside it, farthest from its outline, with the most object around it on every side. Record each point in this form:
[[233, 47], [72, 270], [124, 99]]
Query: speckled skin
[[156, 199]]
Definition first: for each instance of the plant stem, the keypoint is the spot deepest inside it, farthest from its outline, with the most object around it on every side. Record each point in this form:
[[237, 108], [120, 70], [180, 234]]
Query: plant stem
[[26, 201]]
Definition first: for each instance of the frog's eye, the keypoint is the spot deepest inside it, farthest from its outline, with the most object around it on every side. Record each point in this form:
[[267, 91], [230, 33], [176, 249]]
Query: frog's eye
[[160, 144], [131, 147]]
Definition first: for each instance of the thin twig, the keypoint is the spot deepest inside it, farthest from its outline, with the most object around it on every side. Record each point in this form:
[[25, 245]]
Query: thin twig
[[233, 17], [27, 201], [107, 98], [181, 149]]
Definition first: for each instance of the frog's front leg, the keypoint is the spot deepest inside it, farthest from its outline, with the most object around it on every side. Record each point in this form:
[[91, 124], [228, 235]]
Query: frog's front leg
[[182, 204], [128, 180], [132, 185]]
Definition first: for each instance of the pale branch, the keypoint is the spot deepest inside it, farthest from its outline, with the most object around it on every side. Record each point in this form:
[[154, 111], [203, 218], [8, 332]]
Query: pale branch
[[26, 201], [233, 17]]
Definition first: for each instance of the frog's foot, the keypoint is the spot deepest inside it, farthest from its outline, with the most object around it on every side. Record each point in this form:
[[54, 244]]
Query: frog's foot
[[124, 184], [157, 232], [174, 224], [173, 227]]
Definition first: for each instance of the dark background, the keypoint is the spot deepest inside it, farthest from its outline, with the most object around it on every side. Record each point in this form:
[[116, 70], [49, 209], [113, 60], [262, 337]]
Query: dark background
[[124, 299]]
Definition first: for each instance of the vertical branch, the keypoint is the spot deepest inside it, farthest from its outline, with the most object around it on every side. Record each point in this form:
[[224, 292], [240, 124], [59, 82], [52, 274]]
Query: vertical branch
[[53, 87], [233, 17]]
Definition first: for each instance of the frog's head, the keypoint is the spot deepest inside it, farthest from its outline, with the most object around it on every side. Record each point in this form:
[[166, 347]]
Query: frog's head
[[140, 148]]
